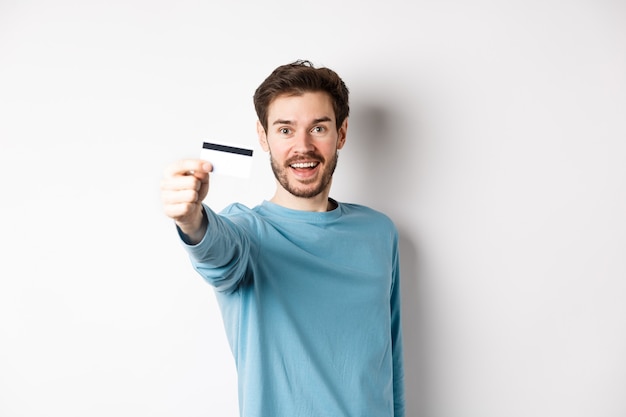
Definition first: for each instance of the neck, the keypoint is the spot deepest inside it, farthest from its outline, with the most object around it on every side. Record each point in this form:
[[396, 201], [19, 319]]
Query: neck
[[319, 203]]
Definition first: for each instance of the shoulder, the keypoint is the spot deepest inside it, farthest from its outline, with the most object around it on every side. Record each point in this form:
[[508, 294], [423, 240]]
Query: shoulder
[[361, 210], [242, 216], [367, 215], [236, 209]]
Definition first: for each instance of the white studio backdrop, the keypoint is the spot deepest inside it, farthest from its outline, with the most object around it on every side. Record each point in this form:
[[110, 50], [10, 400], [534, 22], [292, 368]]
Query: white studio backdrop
[[492, 132]]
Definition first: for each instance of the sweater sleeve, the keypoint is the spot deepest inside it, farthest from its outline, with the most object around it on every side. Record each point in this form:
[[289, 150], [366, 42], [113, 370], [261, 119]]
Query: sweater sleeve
[[221, 256], [396, 329]]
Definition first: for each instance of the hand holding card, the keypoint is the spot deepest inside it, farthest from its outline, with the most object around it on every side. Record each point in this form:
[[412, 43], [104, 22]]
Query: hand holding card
[[228, 159]]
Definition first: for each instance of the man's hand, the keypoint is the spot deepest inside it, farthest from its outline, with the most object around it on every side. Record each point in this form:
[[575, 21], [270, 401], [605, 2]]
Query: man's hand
[[185, 184]]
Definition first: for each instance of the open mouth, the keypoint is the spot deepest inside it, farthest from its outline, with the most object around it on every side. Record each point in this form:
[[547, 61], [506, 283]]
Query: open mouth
[[305, 170], [304, 165]]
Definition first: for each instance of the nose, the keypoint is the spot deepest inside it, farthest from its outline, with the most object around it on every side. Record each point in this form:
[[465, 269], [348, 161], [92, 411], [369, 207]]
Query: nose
[[303, 142]]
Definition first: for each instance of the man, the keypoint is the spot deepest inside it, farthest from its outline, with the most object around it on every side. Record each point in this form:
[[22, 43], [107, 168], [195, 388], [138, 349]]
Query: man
[[308, 287]]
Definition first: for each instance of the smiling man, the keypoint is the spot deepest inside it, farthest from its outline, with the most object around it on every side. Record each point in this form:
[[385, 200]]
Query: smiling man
[[308, 287]]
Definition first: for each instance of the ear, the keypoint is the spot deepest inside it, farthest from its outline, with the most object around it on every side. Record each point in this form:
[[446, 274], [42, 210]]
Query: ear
[[262, 136], [342, 133]]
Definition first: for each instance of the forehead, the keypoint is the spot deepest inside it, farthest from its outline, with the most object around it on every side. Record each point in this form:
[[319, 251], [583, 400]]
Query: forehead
[[306, 106]]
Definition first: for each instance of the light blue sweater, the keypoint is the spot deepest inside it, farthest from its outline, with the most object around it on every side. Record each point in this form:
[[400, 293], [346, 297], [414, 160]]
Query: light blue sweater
[[311, 307]]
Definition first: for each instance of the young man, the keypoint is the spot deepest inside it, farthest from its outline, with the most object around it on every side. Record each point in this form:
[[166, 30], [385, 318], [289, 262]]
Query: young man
[[308, 287]]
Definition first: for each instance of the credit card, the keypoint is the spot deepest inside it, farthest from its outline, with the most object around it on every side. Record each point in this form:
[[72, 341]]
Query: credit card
[[227, 159]]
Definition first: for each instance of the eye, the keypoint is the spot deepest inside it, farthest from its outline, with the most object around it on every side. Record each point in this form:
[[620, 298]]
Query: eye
[[318, 129], [284, 131]]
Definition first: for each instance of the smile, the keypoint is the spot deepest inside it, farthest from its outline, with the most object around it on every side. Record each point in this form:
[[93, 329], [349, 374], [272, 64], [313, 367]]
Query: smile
[[304, 165]]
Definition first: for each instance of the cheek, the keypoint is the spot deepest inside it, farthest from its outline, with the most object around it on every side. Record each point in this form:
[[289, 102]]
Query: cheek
[[277, 149], [329, 148]]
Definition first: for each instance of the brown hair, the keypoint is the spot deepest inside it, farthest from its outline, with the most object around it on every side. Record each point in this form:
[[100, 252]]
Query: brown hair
[[297, 78]]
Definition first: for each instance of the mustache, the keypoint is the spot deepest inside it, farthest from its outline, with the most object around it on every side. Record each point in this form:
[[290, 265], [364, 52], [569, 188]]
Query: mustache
[[306, 157]]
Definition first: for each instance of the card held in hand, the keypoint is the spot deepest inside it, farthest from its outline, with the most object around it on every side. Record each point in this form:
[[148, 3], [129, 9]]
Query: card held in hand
[[228, 159]]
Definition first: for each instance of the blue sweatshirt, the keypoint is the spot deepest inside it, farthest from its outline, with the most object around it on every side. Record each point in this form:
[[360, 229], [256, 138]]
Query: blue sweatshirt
[[311, 307]]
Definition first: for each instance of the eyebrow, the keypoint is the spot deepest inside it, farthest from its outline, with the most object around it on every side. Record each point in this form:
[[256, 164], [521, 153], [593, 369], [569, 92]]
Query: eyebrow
[[315, 121]]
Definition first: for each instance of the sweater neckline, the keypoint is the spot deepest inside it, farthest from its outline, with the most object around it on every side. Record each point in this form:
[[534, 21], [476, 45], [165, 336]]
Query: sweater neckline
[[303, 215]]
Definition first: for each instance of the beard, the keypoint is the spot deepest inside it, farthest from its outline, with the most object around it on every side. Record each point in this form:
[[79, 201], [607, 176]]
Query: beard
[[310, 188]]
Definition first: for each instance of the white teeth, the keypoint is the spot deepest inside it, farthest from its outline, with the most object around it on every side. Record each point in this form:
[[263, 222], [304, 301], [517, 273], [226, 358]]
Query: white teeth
[[304, 165]]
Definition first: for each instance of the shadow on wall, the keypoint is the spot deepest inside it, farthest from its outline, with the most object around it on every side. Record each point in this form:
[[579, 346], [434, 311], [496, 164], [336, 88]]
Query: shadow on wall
[[387, 144], [381, 150], [416, 369]]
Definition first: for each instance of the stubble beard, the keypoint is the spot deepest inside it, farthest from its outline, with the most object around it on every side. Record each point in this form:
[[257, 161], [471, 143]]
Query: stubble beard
[[304, 191]]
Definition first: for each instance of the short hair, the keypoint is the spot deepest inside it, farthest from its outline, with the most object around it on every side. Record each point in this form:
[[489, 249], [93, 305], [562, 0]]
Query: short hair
[[298, 78]]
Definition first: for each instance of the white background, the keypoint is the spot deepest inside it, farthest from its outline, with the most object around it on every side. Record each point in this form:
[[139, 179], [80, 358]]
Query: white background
[[492, 132]]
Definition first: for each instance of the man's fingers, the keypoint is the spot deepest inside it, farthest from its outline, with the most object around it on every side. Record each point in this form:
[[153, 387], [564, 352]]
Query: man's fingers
[[177, 211], [184, 185], [196, 167], [187, 182], [170, 197]]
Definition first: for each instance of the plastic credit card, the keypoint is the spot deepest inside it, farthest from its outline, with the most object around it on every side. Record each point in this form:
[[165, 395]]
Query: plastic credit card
[[228, 159]]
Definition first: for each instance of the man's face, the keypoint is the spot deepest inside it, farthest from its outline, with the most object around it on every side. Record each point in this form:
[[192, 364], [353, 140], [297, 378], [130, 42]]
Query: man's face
[[303, 140]]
